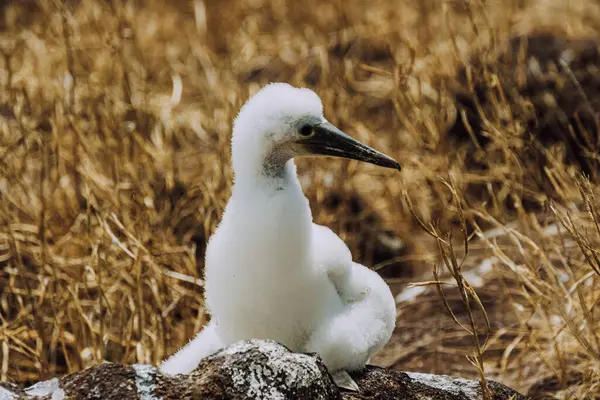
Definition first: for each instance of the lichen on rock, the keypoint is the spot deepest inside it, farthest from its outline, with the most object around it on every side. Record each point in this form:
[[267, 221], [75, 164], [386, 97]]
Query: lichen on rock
[[251, 369]]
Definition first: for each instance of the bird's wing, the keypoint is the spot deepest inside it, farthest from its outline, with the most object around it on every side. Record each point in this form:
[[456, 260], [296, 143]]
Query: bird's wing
[[366, 322], [331, 254], [347, 339]]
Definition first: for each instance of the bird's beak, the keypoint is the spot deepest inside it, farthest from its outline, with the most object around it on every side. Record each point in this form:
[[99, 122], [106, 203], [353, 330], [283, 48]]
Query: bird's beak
[[328, 140]]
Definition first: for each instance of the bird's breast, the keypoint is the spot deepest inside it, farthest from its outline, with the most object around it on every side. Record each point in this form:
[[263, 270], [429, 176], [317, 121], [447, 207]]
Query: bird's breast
[[260, 281]]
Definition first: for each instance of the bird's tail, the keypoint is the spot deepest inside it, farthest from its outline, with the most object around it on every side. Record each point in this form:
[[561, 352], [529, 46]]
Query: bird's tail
[[189, 356]]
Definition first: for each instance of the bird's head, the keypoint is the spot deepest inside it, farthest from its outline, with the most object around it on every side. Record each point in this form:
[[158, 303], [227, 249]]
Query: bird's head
[[281, 122]]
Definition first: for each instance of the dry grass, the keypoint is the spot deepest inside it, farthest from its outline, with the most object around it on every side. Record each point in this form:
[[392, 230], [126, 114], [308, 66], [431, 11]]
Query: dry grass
[[114, 131]]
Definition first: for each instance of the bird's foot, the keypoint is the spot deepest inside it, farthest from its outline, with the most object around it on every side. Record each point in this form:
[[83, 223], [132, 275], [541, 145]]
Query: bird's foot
[[343, 380]]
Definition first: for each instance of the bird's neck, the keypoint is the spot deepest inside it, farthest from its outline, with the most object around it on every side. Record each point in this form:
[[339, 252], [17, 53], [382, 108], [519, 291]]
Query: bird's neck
[[278, 213], [272, 177]]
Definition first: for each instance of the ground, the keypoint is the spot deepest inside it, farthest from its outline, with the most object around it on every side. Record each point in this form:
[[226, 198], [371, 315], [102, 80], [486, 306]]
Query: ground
[[115, 119]]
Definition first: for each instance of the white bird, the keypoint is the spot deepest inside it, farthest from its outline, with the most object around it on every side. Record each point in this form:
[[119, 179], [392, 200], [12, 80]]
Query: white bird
[[270, 272]]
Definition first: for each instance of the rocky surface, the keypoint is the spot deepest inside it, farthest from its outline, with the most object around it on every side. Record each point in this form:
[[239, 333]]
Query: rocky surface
[[252, 369]]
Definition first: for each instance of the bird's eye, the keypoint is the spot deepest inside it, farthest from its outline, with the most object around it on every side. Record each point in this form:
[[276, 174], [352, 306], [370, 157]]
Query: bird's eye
[[306, 131]]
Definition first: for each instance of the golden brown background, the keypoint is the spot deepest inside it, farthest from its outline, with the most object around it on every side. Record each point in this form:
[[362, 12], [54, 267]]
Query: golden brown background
[[115, 119]]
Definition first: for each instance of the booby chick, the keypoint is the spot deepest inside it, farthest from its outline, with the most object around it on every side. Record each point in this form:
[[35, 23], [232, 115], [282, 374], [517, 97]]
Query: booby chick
[[270, 272]]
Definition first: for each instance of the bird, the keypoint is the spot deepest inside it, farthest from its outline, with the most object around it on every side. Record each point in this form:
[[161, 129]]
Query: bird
[[271, 272]]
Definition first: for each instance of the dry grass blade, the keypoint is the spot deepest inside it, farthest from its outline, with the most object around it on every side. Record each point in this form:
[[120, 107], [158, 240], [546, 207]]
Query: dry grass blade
[[115, 120], [467, 293]]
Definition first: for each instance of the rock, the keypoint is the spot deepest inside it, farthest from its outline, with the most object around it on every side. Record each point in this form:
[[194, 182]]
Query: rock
[[251, 369], [9, 391], [381, 384], [256, 369]]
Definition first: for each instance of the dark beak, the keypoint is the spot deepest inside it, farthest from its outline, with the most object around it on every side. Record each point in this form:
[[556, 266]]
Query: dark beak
[[327, 140]]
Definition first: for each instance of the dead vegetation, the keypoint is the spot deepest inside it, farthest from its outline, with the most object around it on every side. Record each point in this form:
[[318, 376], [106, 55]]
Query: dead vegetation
[[114, 132]]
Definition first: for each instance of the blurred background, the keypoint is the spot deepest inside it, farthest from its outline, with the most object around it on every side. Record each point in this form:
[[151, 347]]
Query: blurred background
[[115, 121]]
